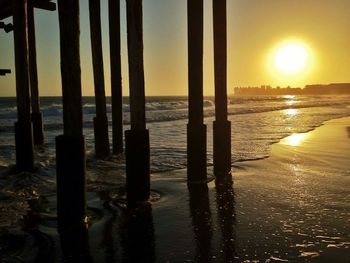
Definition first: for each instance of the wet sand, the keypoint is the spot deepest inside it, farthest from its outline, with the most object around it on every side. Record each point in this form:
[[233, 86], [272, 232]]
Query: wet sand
[[292, 206]]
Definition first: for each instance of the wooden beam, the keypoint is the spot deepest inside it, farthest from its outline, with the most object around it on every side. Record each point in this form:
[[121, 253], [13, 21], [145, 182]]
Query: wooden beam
[[44, 5], [23, 126], [3, 72], [6, 12], [100, 121], [116, 75], [6, 9]]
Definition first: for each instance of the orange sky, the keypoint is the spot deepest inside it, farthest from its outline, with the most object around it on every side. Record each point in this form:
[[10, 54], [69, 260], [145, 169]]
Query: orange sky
[[254, 28]]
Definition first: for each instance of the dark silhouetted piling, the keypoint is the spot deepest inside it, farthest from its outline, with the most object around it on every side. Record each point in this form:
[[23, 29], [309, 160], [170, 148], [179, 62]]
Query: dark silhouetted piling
[[221, 126], [23, 126], [137, 138], [116, 75], [70, 147], [100, 121], [196, 130], [37, 116]]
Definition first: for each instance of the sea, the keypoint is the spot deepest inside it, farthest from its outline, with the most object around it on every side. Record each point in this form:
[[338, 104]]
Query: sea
[[257, 123]]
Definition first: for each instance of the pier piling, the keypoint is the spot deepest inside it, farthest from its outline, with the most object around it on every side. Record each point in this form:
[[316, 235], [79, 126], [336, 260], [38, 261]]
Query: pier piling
[[70, 147], [137, 138], [221, 126], [100, 121], [196, 130], [116, 76], [23, 126], [37, 116]]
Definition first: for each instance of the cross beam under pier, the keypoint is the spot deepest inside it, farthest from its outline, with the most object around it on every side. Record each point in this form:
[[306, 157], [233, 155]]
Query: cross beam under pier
[[3, 72]]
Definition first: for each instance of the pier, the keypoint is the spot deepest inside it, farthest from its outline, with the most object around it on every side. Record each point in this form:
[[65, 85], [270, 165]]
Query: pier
[[70, 146], [29, 127]]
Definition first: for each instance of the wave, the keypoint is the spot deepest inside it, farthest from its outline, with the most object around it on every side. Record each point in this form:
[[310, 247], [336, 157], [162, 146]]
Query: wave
[[157, 113]]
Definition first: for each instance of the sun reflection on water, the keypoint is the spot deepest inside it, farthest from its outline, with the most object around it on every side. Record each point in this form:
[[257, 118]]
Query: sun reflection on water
[[291, 102], [291, 112], [295, 139]]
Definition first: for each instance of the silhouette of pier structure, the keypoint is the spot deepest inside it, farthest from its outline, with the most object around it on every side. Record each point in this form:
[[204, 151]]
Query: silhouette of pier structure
[[70, 146], [3, 72]]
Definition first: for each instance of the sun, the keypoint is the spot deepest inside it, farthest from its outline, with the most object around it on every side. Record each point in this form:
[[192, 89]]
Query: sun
[[291, 58], [291, 62]]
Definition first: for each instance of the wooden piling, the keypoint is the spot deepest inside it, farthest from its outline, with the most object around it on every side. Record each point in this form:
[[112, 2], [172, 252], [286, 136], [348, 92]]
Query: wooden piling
[[221, 126], [100, 121], [196, 130], [23, 126], [37, 117], [116, 76], [137, 138], [70, 147]]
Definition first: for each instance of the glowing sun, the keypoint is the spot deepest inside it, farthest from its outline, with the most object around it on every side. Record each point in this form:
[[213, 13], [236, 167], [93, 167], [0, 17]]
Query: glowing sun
[[291, 58], [291, 61]]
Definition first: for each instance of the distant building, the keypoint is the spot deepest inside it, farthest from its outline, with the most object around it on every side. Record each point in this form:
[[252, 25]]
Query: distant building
[[314, 89], [333, 88]]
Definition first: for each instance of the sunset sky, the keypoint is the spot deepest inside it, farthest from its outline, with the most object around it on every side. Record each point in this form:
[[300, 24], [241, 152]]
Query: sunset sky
[[256, 29]]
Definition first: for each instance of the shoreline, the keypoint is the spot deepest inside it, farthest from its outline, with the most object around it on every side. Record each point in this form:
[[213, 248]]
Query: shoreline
[[285, 210], [292, 206]]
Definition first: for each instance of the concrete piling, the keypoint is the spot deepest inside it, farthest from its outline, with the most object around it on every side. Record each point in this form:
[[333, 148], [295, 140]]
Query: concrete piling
[[100, 121], [137, 138], [70, 147], [116, 76], [37, 116], [221, 126], [196, 130], [23, 126]]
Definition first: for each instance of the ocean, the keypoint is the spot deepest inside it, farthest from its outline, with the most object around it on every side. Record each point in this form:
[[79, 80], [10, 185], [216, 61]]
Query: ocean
[[257, 123]]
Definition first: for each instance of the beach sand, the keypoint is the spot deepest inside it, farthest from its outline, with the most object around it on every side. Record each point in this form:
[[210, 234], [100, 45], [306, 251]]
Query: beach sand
[[293, 206]]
